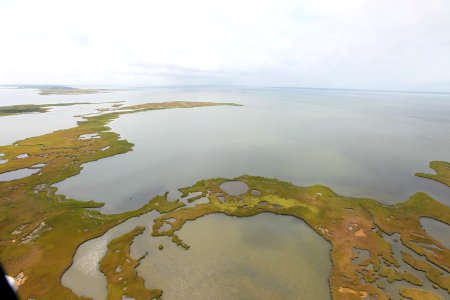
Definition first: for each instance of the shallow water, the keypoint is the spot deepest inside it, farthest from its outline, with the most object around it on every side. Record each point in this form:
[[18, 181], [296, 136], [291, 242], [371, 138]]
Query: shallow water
[[233, 258], [393, 288], [18, 127], [438, 230], [234, 188], [17, 174], [83, 277], [364, 144]]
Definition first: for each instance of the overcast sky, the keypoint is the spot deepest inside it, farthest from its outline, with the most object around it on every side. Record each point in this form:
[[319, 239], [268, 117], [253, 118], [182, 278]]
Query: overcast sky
[[372, 44]]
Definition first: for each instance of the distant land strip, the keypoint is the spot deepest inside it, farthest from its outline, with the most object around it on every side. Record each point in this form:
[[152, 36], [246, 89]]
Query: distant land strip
[[38, 108]]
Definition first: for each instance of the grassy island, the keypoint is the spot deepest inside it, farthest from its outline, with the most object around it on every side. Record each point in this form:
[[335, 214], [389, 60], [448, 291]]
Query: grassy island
[[41, 230], [32, 108]]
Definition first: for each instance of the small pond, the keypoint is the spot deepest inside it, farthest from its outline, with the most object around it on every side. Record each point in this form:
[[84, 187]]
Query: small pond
[[17, 174], [234, 188]]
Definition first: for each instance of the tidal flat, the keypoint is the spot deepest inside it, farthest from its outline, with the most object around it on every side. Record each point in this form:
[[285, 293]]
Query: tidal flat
[[37, 219]]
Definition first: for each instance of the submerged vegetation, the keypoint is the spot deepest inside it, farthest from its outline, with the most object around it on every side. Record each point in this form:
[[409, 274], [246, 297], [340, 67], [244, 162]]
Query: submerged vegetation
[[41, 229]]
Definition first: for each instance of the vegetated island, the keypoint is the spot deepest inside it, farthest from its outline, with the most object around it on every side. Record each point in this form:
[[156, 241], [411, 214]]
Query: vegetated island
[[39, 108], [40, 229]]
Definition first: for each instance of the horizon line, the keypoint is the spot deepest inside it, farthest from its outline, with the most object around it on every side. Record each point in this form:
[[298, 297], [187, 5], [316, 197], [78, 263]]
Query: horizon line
[[37, 86]]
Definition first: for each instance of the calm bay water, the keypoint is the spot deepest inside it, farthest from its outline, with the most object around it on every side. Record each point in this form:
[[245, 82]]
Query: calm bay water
[[365, 144], [360, 143]]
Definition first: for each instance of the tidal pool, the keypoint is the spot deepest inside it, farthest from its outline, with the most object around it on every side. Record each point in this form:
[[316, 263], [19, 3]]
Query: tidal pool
[[261, 257]]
